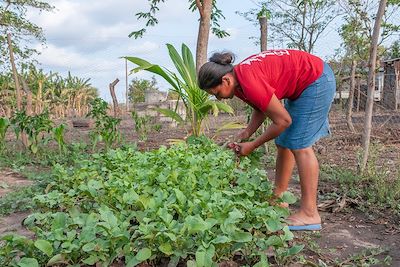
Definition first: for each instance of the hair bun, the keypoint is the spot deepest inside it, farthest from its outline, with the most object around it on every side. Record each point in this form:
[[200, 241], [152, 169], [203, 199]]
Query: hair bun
[[222, 58]]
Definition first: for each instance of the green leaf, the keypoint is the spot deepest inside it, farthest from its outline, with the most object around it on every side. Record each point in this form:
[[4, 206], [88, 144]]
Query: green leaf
[[171, 114], [145, 65], [274, 241], [91, 260], [243, 237], [34, 148], [204, 257], [221, 239], [89, 247], [195, 224], [166, 248], [294, 250], [143, 254], [56, 259], [191, 263], [180, 196], [59, 221], [288, 198], [273, 225], [44, 246], [263, 261], [28, 262]]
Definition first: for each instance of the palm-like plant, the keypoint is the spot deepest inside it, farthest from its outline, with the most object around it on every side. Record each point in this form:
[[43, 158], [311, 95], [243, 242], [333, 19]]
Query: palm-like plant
[[198, 103]]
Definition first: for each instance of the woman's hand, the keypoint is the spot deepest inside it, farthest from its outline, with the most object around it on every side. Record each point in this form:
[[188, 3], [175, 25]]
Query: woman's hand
[[244, 149], [241, 135]]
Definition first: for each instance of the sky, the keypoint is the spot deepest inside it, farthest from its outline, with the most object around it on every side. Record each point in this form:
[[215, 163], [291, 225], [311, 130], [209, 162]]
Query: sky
[[88, 38]]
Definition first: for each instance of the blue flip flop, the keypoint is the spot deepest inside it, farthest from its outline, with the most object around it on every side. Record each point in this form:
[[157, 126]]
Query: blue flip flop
[[305, 227]]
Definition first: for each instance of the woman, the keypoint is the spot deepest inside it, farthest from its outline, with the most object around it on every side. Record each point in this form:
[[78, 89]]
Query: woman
[[308, 86]]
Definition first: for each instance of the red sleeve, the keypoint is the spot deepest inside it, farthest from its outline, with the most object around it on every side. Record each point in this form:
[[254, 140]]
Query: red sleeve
[[257, 92]]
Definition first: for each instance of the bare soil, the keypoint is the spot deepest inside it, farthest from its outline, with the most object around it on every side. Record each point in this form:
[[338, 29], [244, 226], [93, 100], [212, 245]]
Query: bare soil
[[10, 180], [346, 231]]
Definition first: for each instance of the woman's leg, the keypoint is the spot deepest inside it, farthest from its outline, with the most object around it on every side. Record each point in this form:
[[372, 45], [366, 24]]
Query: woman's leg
[[283, 171], [308, 168]]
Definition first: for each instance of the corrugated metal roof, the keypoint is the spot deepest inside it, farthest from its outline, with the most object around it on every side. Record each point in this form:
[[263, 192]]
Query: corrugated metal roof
[[391, 60]]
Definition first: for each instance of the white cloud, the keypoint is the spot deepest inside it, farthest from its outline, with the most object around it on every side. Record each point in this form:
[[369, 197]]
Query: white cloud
[[61, 58], [145, 47]]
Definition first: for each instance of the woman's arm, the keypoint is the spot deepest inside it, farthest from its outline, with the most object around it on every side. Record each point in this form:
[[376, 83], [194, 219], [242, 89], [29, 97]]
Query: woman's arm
[[257, 118], [280, 121]]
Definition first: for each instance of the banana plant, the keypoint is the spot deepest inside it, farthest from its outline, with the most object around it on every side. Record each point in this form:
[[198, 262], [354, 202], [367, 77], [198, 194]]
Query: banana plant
[[198, 103], [58, 135], [4, 124]]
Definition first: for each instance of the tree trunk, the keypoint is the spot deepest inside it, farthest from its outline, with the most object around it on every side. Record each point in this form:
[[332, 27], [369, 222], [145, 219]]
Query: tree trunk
[[28, 93], [24, 138], [263, 32], [14, 70], [263, 47], [126, 87], [114, 97], [371, 84], [358, 93], [39, 98], [351, 96], [205, 8]]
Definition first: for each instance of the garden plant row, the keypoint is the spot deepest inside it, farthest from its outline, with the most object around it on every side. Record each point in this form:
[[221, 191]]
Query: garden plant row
[[192, 204]]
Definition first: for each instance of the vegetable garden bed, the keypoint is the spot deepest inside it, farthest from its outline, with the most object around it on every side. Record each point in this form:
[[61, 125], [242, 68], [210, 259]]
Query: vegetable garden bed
[[191, 205]]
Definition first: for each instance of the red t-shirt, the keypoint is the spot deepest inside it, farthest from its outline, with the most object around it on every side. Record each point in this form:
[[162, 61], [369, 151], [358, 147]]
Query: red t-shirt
[[285, 73]]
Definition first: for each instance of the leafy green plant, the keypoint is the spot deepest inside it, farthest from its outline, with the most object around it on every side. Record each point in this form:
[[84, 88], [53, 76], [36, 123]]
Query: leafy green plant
[[58, 135], [198, 103], [4, 124], [106, 127], [190, 203], [157, 127], [142, 125], [33, 126]]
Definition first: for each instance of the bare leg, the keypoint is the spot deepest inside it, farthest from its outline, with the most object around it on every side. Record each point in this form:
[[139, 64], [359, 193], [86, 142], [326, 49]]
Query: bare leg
[[308, 168], [284, 167]]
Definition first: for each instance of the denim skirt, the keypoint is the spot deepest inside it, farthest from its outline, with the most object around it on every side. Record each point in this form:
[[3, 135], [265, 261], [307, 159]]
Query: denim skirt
[[309, 113]]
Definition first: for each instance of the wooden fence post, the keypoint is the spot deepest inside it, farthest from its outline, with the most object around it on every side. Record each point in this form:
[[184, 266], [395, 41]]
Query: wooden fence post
[[114, 97], [14, 70]]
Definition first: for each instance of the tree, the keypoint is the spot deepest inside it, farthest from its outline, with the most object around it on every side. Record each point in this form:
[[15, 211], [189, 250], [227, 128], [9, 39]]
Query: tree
[[260, 18], [393, 51], [371, 84], [13, 20], [137, 87], [300, 23], [209, 18], [356, 33]]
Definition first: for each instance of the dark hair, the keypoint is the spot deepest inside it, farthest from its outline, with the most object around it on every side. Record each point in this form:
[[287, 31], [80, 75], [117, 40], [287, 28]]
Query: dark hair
[[210, 74]]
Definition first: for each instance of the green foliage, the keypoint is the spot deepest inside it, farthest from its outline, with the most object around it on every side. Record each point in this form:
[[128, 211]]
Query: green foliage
[[33, 126], [393, 51], [58, 135], [138, 87], [299, 24], [60, 95], [14, 20], [106, 127], [191, 202], [19, 200], [198, 102], [376, 190], [143, 125], [216, 16], [4, 124], [356, 31]]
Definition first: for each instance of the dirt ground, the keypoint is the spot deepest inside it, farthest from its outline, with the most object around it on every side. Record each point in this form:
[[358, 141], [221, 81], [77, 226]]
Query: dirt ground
[[346, 231]]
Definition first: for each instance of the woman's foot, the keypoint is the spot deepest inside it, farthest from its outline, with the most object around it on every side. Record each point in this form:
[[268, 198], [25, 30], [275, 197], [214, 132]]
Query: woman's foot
[[301, 222]]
